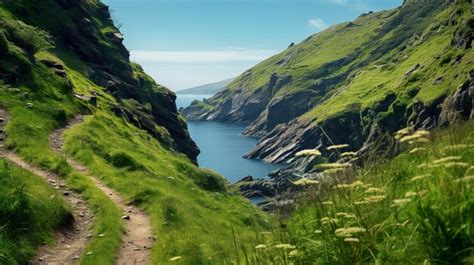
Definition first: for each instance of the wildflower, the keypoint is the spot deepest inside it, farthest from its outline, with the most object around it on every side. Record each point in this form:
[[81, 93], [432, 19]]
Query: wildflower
[[423, 133], [410, 194], [305, 181], [260, 246], [356, 184], [342, 186], [328, 203], [345, 215], [284, 246], [400, 202], [375, 198], [349, 154], [351, 240], [457, 146], [456, 164], [333, 171], [446, 159], [335, 147], [415, 178], [410, 138], [293, 253], [176, 258], [375, 190], [422, 165], [419, 141], [326, 220], [403, 132], [417, 150], [361, 202], [465, 179], [335, 165], [470, 169], [308, 152], [318, 231]]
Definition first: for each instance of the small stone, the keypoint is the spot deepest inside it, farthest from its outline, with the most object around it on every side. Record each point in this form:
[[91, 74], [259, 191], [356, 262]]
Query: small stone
[[89, 235], [126, 217], [76, 257], [66, 193], [29, 105], [137, 249], [81, 214]]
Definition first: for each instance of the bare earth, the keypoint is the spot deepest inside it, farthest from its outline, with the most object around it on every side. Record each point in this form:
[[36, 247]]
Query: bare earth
[[70, 242], [138, 239]]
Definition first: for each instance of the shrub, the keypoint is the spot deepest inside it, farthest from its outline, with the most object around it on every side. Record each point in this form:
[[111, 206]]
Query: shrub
[[123, 160]]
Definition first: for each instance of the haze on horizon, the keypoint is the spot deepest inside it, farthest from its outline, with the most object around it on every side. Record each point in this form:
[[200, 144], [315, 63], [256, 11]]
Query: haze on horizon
[[187, 43]]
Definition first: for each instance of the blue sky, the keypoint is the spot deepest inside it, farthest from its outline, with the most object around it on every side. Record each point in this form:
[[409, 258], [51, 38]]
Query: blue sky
[[185, 43]]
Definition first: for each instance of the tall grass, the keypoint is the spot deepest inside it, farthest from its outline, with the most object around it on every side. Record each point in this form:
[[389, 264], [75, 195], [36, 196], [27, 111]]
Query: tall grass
[[417, 208], [30, 211]]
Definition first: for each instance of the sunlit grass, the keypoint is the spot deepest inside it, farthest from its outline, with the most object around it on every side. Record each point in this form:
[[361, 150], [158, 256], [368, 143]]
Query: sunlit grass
[[416, 208]]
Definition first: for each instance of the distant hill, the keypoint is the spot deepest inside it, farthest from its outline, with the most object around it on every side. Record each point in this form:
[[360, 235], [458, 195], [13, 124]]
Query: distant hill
[[208, 89]]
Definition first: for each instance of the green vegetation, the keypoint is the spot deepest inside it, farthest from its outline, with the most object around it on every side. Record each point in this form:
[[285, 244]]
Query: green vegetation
[[29, 212], [416, 208], [192, 213], [408, 54]]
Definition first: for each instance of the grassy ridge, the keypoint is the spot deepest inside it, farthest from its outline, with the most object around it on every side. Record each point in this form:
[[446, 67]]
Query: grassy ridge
[[416, 208]]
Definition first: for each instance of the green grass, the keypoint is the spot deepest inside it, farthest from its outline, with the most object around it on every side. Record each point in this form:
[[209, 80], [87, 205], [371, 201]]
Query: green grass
[[414, 209], [372, 84], [28, 135], [193, 214], [351, 67], [30, 211]]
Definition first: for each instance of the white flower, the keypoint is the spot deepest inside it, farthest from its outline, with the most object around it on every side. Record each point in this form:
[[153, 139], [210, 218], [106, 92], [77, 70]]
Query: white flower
[[308, 152]]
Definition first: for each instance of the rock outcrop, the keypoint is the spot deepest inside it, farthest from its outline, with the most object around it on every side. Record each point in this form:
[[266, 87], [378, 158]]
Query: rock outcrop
[[355, 83], [106, 60]]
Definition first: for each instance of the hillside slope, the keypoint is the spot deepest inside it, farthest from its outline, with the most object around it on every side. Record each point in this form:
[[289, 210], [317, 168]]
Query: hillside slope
[[207, 89], [356, 81], [63, 58]]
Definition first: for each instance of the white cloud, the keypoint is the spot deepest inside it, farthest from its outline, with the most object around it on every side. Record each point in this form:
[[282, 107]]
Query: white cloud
[[318, 23], [230, 55]]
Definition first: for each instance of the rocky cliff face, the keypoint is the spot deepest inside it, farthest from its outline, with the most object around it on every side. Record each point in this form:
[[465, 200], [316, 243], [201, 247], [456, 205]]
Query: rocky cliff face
[[87, 33], [356, 82]]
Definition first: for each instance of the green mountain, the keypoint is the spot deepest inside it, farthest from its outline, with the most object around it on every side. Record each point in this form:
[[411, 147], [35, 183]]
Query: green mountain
[[355, 82], [207, 89], [60, 59]]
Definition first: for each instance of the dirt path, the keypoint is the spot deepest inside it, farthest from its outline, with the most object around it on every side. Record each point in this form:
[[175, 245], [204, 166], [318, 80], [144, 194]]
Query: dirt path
[[138, 239], [70, 242]]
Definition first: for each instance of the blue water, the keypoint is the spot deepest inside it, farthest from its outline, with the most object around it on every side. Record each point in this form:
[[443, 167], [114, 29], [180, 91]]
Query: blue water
[[222, 147]]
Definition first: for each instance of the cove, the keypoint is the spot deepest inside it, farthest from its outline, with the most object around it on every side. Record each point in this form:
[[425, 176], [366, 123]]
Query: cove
[[222, 146]]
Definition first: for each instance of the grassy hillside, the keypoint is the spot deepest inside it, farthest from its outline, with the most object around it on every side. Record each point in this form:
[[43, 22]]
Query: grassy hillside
[[29, 212], [376, 74], [413, 209], [61, 58]]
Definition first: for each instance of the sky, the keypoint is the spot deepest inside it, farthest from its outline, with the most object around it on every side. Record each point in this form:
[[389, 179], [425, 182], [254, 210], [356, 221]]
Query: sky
[[186, 43]]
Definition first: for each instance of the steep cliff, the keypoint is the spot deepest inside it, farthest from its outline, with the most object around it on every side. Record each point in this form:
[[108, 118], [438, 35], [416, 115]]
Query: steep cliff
[[355, 82], [86, 32]]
